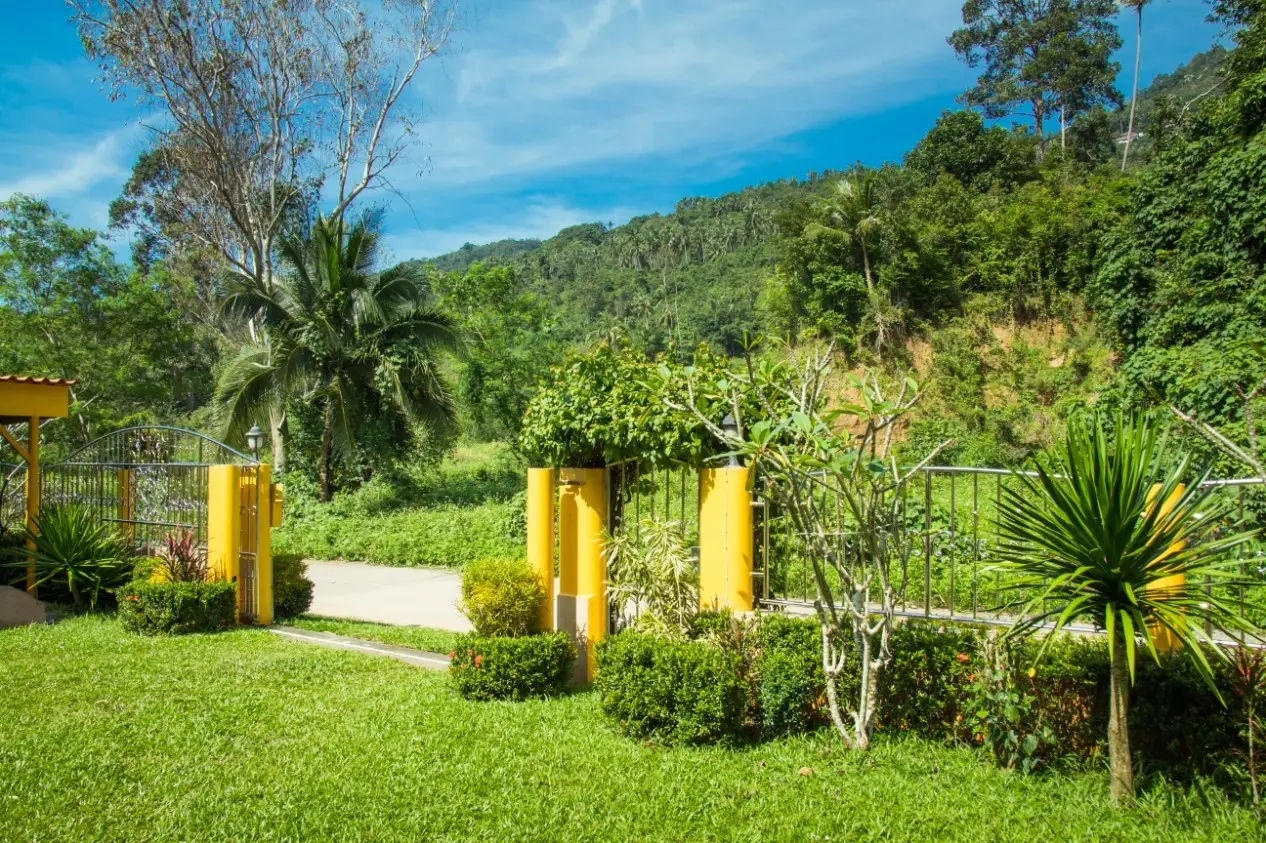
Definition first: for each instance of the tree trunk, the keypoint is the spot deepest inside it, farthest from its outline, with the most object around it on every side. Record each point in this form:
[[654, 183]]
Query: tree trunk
[[1120, 761], [1063, 129], [327, 447], [1134, 93], [277, 434], [870, 282]]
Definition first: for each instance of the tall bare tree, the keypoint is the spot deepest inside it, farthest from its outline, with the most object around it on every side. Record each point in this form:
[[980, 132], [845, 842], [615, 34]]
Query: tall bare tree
[[264, 106], [1137, 6]]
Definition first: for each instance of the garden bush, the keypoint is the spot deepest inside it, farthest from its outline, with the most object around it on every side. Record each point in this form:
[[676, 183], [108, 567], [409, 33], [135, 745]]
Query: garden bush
[[676, 692], [788, 674], [494, 668], [292, 590], [76, 555], [501, 597], [177, 608]]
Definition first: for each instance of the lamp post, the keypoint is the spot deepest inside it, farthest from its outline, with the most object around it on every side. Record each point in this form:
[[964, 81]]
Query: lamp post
[[730, 427], [254, 440]]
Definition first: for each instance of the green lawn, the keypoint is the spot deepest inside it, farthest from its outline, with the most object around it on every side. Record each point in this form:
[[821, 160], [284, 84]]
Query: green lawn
[[418, 637], [246, 736]]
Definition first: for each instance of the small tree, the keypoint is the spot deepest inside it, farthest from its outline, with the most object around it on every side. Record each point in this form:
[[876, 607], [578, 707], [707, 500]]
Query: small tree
[[1091, 540], [830, 470]]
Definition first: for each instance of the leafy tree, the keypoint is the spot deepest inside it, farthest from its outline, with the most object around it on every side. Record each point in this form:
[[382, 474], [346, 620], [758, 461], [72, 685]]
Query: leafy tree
[[339, 336], [1039, 55], [68, 309], [1092, 541], [962, 146]]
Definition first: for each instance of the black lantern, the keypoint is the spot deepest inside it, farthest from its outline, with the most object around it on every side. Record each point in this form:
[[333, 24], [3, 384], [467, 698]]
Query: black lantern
[[255, 440]]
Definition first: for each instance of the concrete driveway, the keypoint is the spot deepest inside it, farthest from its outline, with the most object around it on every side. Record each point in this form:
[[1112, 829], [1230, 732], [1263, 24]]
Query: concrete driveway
[[402, 596]]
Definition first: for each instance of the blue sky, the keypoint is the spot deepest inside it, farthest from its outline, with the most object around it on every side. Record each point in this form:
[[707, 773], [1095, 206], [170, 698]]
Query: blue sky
[[546, 113]]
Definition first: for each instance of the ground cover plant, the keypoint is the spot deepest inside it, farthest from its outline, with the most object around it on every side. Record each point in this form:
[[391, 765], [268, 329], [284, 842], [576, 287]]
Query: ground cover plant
[[246, 736]]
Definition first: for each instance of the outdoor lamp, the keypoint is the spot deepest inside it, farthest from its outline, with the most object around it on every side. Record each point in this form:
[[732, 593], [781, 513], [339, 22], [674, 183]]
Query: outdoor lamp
[[731, 428], [254, 439]]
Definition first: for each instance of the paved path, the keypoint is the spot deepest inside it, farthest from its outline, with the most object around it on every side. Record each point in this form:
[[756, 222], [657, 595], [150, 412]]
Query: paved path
[[417, 658], [402, 596]]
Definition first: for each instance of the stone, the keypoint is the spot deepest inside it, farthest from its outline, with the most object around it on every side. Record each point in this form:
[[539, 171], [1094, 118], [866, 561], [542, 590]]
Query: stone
[[17, 608]]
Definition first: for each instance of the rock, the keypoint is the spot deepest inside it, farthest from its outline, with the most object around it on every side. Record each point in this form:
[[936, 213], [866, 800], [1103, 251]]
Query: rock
[[17, 608]]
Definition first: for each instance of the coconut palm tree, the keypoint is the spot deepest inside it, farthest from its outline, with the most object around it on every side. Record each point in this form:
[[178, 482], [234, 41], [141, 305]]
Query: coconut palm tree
[[852, 207], [338, 335], [1137, 6], [1090, 540]]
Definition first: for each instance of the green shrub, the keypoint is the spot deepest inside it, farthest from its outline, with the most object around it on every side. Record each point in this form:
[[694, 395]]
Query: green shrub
[[176, 608], [489, 668], [788, 674], [502, 597], [292, 590], [924, 688], [676, 692]]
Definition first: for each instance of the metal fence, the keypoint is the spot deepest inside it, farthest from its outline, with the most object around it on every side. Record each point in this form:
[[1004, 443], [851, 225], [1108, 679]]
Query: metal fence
[[951, 518]]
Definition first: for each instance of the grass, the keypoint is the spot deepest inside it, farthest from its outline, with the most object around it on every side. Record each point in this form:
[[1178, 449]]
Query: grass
[[244, 736], [418, 637], [458, 513]]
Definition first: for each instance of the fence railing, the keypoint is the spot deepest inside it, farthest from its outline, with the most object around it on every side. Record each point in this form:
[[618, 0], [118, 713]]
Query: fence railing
[[951, 518]]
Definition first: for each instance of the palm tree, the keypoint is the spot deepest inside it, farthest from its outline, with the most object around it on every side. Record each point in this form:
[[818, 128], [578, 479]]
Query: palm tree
[[853, 208], [1089, 540], [1137, 6], [338, 335]]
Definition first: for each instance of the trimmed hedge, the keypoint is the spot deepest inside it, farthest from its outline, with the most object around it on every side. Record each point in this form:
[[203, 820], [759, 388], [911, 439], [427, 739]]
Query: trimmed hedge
[[502, 597], [292, 590], [677, 692], [764, 679], [177, 608], [484, 668]]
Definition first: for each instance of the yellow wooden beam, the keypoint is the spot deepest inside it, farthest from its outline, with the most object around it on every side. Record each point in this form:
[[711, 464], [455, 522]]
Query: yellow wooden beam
[[43, 400], [13, 441]]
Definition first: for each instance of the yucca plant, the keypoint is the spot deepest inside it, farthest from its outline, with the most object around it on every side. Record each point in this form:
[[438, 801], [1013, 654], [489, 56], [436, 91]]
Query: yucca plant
[[75, 549], [1090, 540]]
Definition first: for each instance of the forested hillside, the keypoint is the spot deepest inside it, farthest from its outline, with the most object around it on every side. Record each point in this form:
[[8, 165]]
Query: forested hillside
[[975, 262], [1013, 264]]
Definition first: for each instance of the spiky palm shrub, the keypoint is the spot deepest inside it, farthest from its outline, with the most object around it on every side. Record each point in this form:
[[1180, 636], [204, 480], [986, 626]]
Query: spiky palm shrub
[[1091, 541], [651, 567], [76, 549]]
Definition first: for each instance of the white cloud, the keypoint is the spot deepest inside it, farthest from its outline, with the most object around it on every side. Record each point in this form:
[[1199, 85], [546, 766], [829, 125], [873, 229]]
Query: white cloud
[[537, 218], [561, 85], [52, 173]]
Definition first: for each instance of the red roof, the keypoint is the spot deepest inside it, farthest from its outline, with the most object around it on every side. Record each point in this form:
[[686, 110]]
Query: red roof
[[40, 381]]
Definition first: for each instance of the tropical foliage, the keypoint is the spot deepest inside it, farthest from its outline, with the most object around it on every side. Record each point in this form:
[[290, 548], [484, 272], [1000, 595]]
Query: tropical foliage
[[1109, 531], [336, 334]]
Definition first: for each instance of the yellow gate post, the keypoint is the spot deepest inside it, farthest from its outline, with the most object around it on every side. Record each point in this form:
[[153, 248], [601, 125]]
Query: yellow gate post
[[725, 539], [1162, 638], [582, 580], [263, 547], [224, 521], [540, 537]]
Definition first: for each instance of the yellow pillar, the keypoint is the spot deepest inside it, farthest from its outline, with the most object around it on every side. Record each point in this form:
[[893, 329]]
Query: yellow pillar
[[1162, 638], [725, 539], [263, 548], [126, 503], [540, 537], [224, 521], [582, 585], [32, 495]]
